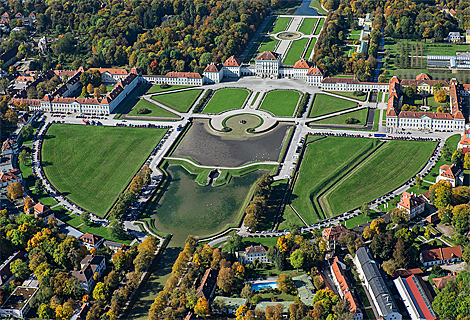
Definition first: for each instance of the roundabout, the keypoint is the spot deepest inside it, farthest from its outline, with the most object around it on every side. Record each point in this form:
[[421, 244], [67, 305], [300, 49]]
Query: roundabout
[[289, 35]]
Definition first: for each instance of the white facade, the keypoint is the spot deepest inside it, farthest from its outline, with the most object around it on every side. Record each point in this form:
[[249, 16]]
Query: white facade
[[183, 80], [424, 121]]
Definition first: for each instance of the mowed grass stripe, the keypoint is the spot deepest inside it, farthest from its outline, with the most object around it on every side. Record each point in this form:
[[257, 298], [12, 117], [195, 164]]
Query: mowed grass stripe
[[268, 44], [310, 48], [322, 161], [307, 25], [388, 168], [281, 103], [360, 115], [295, 51], [325, 104], [226, 99], [92, 165], [180, 101], [156, 88], [280, 25], [319, 26]]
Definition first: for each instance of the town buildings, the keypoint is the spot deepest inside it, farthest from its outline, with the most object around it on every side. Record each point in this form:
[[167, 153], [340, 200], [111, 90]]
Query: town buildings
[[5, 273], [331, 235], [90, 265], [17, 305], [440, 256], [91, 240], [253, 253], [451, 173], [412, 204], [416, 297], [208, 283]]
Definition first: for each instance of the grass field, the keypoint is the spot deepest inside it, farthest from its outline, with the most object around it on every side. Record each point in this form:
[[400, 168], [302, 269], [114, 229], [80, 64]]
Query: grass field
[[295, 51], [307, 25], [155, 111], [317, 5], [350, 95], [280, 25], [188, 208], [375, 127], [289, 217], [310, 48], [360, 115], [281, 103], [323, 160], [226, 99], [156, 88], [319, 26], [180, 101], [91, 165], [268, 44], [388, 168], [452, 142], [325, 104]]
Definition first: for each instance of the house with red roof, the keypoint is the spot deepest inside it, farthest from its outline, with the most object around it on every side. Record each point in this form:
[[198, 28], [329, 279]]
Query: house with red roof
[[232, 67], [464, 142], [6, 178], [440, 256], [267, 65], [253, 253], [412, 204], [451, 173], [441, 282], [42, 211], [416, 296], [91, 240], [331, 235], [214, 73]]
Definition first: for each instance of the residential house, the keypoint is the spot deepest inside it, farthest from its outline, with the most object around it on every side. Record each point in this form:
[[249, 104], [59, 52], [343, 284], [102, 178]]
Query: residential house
[[451, 173], [17, 305], [232, 67], [441, 282], [417, 299], [453, 37], [42, 211], [345, 288], [227, 305], [89, 266], [440, 256], [9, 146], [464, 142], [91, 240], [412, 204], [253, 253], [208, 284], [5, 273], [6, 178], [331, 235], [373, 281]]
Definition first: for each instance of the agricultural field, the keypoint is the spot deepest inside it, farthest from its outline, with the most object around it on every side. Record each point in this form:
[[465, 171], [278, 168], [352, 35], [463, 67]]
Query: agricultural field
[[324, 160], [71, 155], [289, 100], [325, 104], [446, 49], [179, 101], [226, 99], [386, 169], [360, 115], [307, 25], [188, 208], [155, 111], [295, 51], [280, 25]]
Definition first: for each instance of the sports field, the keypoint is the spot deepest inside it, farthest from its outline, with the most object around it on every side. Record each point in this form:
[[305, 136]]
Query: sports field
[[360, 115], [155, 111], [295, 51], [280, 25], [325, 104], [324, 160], [226, 99], [307, 25], [281, 103], [92, 165], [180, 101], [386, 169]]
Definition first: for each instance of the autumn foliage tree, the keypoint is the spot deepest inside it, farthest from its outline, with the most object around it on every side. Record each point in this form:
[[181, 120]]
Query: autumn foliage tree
[[202, 307], [15, 190], [440, 95]]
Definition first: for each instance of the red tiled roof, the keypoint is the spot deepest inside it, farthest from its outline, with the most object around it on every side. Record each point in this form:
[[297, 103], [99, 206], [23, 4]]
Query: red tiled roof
[[345, 287], [91, 238], [192, 75], [407, 82], [432, 115], [450, 171], [24, 79], [213, 68], [410, 201], [314, 72], [419, 295], [407, 273], [441, 282], [423, 76], [341, 80], [442, 254], [255, 249], [301, 64], [332, 233], [232, 62], [267, 55], [10, 176], [122, 72]]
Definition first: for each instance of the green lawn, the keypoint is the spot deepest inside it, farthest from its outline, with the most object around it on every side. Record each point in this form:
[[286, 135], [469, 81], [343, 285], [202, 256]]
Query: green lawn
[[226, 99], [317, 5], [380, 97], [310, 48], [359, 220], [281, 103], [295, 51], [155, 111], [354, 36], [289, 217], [319, 26], [430, 101], [307, 25], [388, 168], [253, 50], [156, 88], [325, 104], [180, 101], [452, 142], [72, 220], [268, 44], [102, 231], [360, 115], [375, 127], [350, 95], [323, 161], [92, 165], [280, 25]]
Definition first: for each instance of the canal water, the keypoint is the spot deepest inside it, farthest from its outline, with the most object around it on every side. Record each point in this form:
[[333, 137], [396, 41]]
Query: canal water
[[305, 9]]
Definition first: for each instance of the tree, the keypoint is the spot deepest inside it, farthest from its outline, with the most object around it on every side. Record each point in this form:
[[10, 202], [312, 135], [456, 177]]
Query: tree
[[241, 312], [103, 89], [23, 157], [27, 132], [45, 311], [446, 153], [100, 292], [38, 188], [418, 181], [225, 279], [409, 92], [12, 117], [399, 215], [90, 88], [85, 218], [96, 93], [365, 210], [115, 229], [382, 78], [457, 158], [445, 214], [389, 266], [440, 95], [247, 292], [460, 218], [15, 190], [202, 307], [318, 282], [19, 269], [28, 204], [441, 193], [64, 312], [285, 283], [466, 161], [84, 92], [297, 258]]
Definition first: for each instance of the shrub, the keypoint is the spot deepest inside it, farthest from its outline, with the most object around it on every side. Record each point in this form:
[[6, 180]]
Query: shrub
[[164, 86], [351, 120], [143, 111], [359, 93]]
